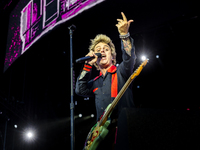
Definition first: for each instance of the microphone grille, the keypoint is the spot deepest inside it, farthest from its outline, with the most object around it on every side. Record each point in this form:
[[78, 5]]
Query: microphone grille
[[98, 54]]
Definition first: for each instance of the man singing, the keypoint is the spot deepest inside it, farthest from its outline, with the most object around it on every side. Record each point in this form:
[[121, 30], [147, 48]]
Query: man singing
[[111, 79]]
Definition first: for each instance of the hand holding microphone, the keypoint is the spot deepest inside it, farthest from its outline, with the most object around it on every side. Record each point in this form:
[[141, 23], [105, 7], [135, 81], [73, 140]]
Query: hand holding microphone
[[90, 58], [93, 56]]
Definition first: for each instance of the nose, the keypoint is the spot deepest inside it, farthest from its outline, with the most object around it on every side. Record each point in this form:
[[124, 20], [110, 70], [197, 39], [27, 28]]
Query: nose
[[102, 50]]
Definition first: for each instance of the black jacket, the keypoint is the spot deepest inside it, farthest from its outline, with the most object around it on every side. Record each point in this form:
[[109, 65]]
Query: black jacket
[[100, 87]]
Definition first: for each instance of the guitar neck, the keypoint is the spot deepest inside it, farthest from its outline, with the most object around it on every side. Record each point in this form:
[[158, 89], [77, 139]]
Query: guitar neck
[[120, 94], [116, 100]]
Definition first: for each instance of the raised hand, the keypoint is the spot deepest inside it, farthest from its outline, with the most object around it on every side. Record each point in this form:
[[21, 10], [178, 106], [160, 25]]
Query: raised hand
[[123, 25]]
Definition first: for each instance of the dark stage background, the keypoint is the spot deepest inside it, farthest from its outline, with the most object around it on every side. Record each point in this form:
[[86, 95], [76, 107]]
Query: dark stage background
[[35, 89]]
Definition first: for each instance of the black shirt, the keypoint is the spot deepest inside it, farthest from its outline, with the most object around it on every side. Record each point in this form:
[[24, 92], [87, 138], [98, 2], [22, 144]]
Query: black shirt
[[100, 87]]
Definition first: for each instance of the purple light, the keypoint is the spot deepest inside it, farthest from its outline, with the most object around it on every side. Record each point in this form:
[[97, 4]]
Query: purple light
[[36, 19], [9, 3], [14, 48], [50, 19]]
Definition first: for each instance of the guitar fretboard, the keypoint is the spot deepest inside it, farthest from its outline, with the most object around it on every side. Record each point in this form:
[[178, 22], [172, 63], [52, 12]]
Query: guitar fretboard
[[120, 94]]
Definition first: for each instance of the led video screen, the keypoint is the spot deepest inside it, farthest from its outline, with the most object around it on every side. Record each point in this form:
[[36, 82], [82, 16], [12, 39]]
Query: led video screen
[[33, 18]]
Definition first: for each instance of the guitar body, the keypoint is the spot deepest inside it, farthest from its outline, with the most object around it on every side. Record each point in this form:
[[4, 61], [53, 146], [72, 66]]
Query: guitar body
[[96, 140], [97, 134], [99, 131]]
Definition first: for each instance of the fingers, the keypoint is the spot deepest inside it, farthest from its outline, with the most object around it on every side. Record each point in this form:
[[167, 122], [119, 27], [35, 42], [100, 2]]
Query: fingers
[[124, 17], [91, 54], [120, 20], [123, 25], [95, 56], [129, 22]]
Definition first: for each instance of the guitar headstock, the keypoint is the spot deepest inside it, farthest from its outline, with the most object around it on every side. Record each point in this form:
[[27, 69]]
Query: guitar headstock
[[139, 69]]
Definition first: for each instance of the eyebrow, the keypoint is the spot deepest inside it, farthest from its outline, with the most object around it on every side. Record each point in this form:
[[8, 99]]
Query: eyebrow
[[104, 45]]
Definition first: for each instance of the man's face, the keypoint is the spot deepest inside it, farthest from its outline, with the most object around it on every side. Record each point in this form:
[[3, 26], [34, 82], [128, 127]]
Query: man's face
[[105, 50]]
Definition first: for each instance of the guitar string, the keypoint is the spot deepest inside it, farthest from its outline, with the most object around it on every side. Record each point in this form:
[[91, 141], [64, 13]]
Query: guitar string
[[120, 94]]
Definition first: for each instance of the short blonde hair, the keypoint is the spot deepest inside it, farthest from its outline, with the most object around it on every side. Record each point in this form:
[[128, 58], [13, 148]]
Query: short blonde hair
[[105, 39]]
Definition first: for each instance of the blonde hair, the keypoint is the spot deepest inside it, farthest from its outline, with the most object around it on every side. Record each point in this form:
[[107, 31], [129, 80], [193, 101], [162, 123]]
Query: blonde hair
[[105, 39]]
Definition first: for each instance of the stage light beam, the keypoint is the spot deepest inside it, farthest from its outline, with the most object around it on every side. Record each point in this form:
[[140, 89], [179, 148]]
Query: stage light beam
[[29, 134], [143, 58]]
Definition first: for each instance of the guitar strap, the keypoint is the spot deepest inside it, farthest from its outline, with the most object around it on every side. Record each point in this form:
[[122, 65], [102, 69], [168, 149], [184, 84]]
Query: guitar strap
[[114, 82], [114, 85]]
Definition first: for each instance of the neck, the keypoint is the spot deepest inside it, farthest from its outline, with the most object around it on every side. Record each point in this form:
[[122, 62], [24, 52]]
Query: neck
[[104, 69]]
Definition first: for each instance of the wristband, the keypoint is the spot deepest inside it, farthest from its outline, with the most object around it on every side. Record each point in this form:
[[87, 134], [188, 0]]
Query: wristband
[[87, 67], [124, 36]]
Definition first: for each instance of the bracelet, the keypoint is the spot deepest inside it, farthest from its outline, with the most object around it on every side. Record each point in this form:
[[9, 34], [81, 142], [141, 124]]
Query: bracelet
[[124, 36]]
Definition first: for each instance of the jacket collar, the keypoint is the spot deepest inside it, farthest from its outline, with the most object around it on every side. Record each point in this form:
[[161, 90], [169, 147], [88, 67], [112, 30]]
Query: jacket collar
[[112, 69]]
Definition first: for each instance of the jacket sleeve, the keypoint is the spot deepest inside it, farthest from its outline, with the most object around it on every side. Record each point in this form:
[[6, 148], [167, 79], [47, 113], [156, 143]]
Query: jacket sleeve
[[127, 65], [84, 87]]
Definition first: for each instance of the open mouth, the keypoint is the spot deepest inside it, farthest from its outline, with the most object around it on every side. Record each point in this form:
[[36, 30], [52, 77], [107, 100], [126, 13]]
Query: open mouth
[[103, 56]]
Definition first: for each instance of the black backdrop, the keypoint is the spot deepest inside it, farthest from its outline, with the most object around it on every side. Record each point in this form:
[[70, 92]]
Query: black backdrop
[[35, 89]]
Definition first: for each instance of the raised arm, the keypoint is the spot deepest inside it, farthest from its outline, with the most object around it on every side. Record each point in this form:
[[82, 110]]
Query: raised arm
[[123, 28], [127, 46]]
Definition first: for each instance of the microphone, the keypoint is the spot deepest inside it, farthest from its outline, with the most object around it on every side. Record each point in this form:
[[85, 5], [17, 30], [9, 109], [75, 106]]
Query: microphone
[[83, 59]]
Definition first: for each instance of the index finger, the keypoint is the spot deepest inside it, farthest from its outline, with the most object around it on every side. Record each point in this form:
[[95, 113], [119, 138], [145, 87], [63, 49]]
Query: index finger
[[124, 17], [91, 53]]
